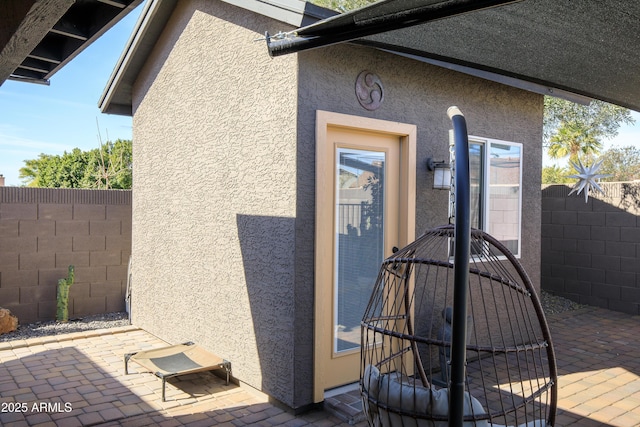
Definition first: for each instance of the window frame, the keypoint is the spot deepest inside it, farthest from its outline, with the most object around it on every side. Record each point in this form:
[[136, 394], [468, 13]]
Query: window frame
[[485, 192]]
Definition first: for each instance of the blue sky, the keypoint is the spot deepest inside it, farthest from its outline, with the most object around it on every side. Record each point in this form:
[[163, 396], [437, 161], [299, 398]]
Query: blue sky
[[628, 135], [53, 119]]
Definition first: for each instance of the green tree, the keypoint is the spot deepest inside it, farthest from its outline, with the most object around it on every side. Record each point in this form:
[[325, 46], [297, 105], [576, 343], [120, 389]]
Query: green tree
[[556, 175], [108, 166], [577, 131], [111, 165], [65, 171], [623, 163], [31, 172], [574, 140]]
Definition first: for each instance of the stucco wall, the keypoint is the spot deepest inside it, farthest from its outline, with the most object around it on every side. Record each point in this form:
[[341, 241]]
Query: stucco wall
[[214, 210], [590, 250], [420, 94], [223, 213], [44, 230]]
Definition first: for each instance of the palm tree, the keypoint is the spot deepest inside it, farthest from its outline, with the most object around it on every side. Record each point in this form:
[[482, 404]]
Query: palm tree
[[576, 140], [577, 131]]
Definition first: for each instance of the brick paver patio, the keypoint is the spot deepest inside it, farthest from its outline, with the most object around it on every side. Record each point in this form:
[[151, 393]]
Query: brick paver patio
[[78, 380]]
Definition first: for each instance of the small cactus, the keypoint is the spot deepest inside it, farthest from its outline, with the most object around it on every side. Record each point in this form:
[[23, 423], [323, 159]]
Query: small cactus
[[62, 314]]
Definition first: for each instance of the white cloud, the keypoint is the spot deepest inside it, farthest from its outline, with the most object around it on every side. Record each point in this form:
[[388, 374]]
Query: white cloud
[[16, 148], [45, 100], [10, 140]]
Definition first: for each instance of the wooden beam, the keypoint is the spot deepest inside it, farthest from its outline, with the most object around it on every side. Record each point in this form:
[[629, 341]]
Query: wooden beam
[[12, 14], [32, 28]]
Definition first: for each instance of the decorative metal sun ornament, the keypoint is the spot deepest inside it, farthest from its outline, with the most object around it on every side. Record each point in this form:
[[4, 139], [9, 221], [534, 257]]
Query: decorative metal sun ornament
[[588, 177], [369, 90]]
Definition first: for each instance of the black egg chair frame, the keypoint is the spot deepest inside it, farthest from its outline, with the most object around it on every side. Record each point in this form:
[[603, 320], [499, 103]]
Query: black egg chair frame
[[454, 333]]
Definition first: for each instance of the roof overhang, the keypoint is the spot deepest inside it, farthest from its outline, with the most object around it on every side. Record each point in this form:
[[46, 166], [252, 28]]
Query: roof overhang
[[38, 37], [591, 49], [117, 95]]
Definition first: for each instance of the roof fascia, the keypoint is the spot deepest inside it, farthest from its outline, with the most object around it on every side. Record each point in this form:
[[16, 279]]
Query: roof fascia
[[294, 12], [152, 21]]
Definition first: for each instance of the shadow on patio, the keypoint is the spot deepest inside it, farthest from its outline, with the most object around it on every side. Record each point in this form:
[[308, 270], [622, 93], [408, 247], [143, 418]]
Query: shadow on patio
[[81, 381]]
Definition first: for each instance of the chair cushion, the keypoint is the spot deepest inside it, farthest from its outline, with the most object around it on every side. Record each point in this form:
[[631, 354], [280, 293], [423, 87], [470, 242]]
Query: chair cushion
[[391, 390]]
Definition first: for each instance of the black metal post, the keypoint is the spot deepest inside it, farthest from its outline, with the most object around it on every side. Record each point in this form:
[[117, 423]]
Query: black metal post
[[462, 237]]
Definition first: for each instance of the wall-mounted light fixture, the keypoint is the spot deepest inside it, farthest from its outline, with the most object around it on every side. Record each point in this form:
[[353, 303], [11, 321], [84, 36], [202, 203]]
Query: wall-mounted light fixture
[[441, 173]]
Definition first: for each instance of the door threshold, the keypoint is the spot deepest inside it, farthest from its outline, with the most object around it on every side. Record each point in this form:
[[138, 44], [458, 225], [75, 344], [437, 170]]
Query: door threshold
[[341, 390], [345, 402]]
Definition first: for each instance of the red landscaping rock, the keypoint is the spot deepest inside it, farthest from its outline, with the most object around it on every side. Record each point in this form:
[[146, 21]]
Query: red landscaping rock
[[8, 322]]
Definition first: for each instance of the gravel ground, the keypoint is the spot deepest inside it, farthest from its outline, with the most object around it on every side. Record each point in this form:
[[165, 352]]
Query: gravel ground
[[41, 329], [553, 304], [550, 303]]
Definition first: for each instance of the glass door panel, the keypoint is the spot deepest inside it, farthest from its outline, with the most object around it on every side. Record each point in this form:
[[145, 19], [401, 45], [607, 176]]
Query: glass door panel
[[359, 239]]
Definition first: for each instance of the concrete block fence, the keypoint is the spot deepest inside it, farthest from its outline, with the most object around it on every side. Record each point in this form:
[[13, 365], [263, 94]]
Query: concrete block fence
[[591, 251], [44, 230]]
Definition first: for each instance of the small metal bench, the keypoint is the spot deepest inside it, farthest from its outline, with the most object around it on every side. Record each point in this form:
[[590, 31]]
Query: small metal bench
[[176, 360]]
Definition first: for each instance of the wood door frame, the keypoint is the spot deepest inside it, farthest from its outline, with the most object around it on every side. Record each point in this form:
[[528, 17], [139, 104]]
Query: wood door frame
[[407, 137]]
